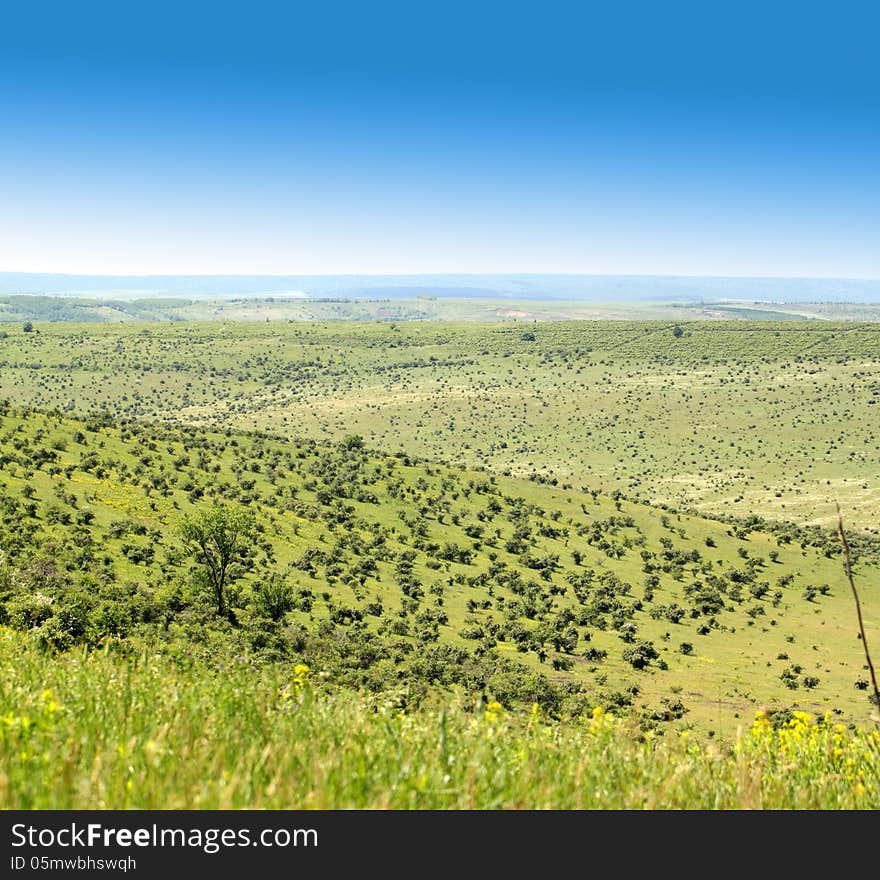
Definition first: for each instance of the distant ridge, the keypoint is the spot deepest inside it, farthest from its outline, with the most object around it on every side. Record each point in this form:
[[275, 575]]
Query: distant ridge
[[592, 288]]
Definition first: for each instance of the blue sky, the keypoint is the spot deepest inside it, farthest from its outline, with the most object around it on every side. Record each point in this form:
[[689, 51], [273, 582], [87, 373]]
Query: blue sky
[[637, 138]]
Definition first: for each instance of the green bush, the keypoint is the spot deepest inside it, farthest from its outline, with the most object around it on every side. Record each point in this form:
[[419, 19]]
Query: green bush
[[28, 610], [273, 598]]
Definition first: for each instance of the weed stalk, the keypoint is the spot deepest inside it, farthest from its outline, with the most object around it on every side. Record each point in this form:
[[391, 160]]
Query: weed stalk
[[849, 575]]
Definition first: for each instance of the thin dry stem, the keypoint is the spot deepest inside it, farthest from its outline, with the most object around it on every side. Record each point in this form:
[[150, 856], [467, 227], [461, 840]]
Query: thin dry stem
[[855, 593]]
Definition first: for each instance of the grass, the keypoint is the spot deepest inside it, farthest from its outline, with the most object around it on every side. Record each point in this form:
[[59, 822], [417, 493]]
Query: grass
[[89, 731]]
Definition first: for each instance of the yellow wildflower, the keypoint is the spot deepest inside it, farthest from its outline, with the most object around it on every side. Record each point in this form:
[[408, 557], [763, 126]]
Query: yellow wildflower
[[49, 703], [493, 711], [761, 724], [300, 676], [599, 718]]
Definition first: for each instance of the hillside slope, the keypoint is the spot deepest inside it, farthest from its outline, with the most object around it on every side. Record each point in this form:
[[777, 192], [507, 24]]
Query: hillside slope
[[773, 418], [402, 574]]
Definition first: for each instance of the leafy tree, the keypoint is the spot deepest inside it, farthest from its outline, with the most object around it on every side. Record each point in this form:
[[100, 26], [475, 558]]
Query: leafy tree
[[216, 537]]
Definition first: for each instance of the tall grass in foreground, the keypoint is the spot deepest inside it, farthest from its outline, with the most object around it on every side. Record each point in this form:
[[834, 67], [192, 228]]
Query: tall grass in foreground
[[92, 731]]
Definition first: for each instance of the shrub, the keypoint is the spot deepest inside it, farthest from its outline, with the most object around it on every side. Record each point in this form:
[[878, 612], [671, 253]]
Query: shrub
[[273, 598], [28, 610], [639, 656]]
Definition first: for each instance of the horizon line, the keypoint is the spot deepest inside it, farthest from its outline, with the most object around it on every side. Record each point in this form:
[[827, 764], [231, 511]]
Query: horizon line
[[445, 274]]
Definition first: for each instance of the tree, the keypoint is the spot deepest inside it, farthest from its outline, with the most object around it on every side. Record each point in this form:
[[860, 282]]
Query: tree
[[677, 332], [216, 537], [27, 327]]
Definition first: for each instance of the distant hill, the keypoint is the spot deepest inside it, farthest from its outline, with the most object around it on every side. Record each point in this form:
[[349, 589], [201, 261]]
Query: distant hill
[[592, 288]]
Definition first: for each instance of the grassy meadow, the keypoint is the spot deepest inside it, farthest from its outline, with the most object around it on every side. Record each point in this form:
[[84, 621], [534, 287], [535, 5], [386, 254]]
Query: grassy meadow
[[558, 564], [776, 419], [124, 307], [100, 733]]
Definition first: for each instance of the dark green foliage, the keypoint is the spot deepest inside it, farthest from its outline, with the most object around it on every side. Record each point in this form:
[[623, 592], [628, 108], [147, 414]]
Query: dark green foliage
[[273, 598], [217, 537], [640, 655]]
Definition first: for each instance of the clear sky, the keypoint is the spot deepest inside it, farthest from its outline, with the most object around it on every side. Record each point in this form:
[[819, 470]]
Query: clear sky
[[720, 138]]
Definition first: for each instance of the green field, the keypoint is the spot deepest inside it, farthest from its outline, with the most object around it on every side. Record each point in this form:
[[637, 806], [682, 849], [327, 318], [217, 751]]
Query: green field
[[775, 419], [124, 307], [562, 516]]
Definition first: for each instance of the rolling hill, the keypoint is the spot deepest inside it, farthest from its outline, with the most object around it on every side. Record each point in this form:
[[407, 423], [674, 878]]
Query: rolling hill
[[381, 571]]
